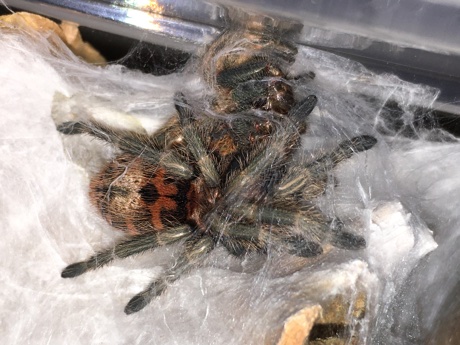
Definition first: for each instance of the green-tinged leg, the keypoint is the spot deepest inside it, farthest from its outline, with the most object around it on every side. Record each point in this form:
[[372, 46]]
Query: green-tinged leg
[[134, 245], [194, 252]]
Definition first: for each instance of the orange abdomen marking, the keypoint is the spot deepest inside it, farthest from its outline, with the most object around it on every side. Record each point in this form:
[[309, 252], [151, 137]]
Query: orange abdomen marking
[[160, 197], [137, 197]]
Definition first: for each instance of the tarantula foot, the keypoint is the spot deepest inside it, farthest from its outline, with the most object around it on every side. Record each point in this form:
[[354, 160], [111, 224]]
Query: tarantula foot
[[303, 108], [363, 143], [185, 112], [71, 127], [301, 111], [237, 251], [347, 240], [142, 299], [138, 302], [305, 77], [74, 270], [299, 246]]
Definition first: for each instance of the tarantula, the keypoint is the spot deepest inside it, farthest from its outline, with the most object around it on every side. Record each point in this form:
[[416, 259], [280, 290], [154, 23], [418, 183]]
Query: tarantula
[[207, 181], [226, 180]]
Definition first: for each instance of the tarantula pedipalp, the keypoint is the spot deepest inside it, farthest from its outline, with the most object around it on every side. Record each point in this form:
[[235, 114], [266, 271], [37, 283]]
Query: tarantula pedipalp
[[218, 182]]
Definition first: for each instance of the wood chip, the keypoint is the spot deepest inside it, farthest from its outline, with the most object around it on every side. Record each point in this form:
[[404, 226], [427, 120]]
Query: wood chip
[[68, 32], [298, 326]]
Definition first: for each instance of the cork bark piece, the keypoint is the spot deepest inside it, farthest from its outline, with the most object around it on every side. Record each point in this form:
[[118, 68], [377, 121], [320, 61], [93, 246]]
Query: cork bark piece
[[334, 322], [68, 32]]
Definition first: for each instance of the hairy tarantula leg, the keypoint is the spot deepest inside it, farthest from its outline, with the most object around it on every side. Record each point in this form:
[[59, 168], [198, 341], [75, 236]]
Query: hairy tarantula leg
[[300, 246], [308, 181], [267, 167], [137, 144], [299, 182], [250, 94], [344, 151], [128, 141], [239, 246], [309, 220], [134, 245], [344, 239], [301, 110], [311, 223], [195, 250], [254, 69], [195, 145], [240, 239], [73, 127]]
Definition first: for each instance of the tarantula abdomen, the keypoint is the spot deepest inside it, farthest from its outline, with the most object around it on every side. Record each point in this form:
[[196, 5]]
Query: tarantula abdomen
[[136, 197]]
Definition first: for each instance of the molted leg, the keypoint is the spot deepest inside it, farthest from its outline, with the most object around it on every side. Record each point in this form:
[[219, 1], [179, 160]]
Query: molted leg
[[254, 69], [273, 94], [257, 83], [194, 251], [134, 245], [250, 94]]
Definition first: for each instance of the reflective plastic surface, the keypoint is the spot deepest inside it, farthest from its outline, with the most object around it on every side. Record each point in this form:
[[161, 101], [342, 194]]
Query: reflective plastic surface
[[184, 25], [416, 39]]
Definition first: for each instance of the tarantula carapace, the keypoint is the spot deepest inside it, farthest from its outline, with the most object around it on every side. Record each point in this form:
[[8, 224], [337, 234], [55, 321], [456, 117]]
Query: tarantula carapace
[[208, 181]]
